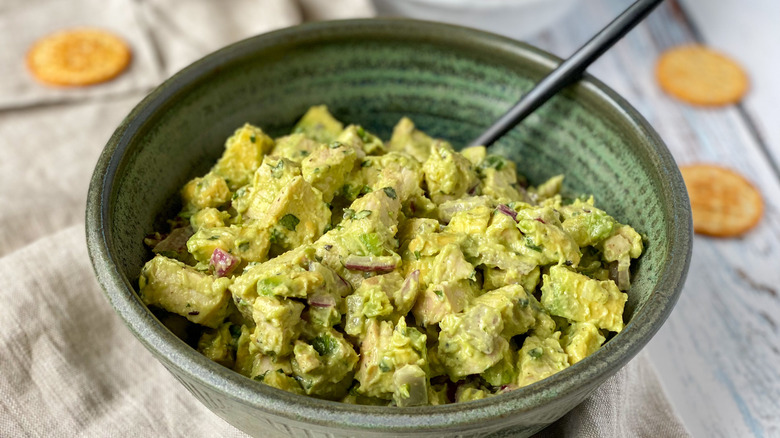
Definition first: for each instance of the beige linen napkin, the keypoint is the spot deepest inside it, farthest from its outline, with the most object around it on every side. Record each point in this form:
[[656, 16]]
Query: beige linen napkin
[[68, 366], [22, 22]]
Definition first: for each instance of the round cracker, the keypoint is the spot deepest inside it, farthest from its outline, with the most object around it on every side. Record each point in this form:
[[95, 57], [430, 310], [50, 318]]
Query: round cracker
[[701, 76], [81, 56], [724, 204]]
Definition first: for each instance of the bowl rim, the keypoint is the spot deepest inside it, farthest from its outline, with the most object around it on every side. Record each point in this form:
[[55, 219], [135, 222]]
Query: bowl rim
[[177, 355]]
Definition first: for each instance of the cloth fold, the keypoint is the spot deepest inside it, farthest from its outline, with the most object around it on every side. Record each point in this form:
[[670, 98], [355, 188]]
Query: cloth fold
[[69, 365]]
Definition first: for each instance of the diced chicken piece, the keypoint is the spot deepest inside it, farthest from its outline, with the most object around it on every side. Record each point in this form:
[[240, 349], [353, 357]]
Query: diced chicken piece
[[383, 352], [576, 297], [442, 299], [328, 167], [411, 386], [277, 324], [471, 342], [178, 288]]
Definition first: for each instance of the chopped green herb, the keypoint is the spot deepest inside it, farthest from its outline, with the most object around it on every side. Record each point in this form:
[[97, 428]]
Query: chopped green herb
[[364, 136], [536, 353], [384, 366], [278, 169], [276, 236], [243, 245], [531, 245], [348, 213], [366, 163], [303, 153], [235, 331], [362, 214], [289, 221], [439, 294], [403, 390], [324, 345], [417, 255], [372, 242], [493, 161], [267, 286], [365, 189], [260, 377], [335, 145], [390, 192], [252, 138], [213, 237], [238, 193]]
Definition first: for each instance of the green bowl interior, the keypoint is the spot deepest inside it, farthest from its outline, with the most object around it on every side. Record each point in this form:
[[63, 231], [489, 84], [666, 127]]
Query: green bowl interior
[[452, 82]]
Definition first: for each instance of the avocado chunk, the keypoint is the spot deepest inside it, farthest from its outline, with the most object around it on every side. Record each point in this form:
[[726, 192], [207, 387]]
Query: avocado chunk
[[580, 340], [328, 167], [372, 300], [406, 138], [576, 297], [362, 140], [498, 179], [546, 190], [469, 392], [398, 171], [178, 288], [385, 350], [325, 364], [319, 125], [586, 224], [539, 358], [219, 344], [209, 191], [546, 241], [295, 147], [244, 152], [448, 174]]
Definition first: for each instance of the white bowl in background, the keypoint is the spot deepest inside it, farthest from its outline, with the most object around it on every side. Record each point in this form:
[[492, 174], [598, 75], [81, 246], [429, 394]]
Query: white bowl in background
[[513, 18]]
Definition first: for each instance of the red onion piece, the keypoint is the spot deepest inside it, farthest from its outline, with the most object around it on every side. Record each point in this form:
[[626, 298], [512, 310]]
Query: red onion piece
[[322, 301], [507, 211], [370, 263], [222, 262], [411, 283], [538, 219]]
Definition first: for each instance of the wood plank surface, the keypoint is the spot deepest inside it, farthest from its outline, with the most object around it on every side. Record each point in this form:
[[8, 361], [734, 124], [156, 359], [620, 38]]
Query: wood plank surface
[[718, 355]]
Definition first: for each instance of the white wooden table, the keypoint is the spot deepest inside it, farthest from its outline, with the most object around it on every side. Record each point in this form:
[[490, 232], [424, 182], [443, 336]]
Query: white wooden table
[[718, 355]]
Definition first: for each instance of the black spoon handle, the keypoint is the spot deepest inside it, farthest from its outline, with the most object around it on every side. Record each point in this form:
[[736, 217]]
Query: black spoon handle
[[569, 71]]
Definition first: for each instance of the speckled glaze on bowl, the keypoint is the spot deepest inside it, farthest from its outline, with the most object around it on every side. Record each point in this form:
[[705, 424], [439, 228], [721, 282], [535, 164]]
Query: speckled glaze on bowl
[[452, 82]]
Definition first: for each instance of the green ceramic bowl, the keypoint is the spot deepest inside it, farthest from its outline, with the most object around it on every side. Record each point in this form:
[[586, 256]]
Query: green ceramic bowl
[[453, 82]]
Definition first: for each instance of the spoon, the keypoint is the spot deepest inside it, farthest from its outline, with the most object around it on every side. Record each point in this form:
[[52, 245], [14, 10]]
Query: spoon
[[569, 71]]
